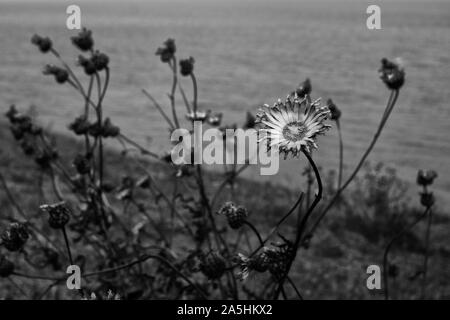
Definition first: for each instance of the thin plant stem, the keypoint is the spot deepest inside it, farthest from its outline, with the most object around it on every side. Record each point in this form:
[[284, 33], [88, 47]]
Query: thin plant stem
[[172, 93], [388, 248], [426, 254], [143, 259], [341, 153], [391, 103], [302, 222], [251, 226], [66, 240], [159, 108]]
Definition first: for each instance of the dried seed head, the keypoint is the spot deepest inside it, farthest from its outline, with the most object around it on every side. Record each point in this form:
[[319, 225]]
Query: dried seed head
[[59, 214], [80, 125], [250, 121], [82, 164], [392, 74], [83, 40], [426, 178], [61, 75], [100, 60], [109, 129], [213, 265], [236, 216], [15, 237], [260, 262], [167, 52], [43, 43], [335, 113], [187, 66], [304, 88], [278, 259], [427, 199], [88, 65]]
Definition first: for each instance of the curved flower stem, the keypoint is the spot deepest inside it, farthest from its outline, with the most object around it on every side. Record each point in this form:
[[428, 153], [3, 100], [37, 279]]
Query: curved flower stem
[[143, 259], [69, 70], [228, 179], [194, 83], [295, 288], [24, 216], [66, 240], [271, 233], [390, 105], [426, 254], [262, 244], [174, 87], [251, 226], [302, 223], [341, 153], [137, 146], [159, 108], [183, 94], [389, 246]]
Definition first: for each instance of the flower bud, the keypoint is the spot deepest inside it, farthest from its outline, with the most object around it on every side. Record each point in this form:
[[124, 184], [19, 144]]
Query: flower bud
[[59, 214], [334, 110], [6, 267], [426, 178], [44, 158], [250, 121], [100, 60], [15, 237], [110, 130], [61, 75], [304, 88], [187, 66], [11, 113], [80, 125], [87, 64], [392, 74], [43, 43], [82, 164], [427, 199], [167, 52], [83, 40], [236, 216], [213, 265], [260, 262]]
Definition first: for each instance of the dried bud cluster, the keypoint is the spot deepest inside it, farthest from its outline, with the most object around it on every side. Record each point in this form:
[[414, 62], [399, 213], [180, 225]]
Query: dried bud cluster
[[15, 237], [167, 52], [83, 40], [392, 74], [335, 113], [61, 75], [426, 178], [43, 43], [236, 215], [59, 214], [187, 66], [213, 265], [304, 88]]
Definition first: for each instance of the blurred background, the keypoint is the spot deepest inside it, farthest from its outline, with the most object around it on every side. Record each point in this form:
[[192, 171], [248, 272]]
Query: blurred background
[[250, 52]]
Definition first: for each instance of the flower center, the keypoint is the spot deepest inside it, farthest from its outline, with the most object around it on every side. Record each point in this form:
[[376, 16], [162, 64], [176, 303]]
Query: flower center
[[294, 131]]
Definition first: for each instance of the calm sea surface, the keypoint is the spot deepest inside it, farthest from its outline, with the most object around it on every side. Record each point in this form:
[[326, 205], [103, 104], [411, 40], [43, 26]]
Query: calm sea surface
[[248, 53]]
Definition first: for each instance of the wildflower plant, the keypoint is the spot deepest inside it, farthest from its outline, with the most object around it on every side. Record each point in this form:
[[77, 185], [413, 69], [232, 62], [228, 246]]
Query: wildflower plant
[[140, 240]]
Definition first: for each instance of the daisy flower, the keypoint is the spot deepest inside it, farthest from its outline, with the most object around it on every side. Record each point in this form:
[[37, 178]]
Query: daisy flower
[[293, 124]]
